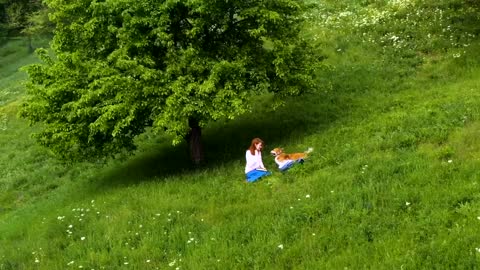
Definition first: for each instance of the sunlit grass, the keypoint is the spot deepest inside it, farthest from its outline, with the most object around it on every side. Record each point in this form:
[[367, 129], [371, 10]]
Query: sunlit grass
[[14, 55], [390, 183], [393, 182]]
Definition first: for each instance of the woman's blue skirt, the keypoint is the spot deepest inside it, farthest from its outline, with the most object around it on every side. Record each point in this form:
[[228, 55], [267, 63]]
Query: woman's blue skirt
[[254, 175]]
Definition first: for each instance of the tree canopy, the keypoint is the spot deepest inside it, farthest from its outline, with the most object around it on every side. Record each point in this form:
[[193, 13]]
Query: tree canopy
[[119, 66]]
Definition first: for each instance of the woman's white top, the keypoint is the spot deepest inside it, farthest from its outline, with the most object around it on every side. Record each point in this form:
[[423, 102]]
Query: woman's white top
[[253, 161]]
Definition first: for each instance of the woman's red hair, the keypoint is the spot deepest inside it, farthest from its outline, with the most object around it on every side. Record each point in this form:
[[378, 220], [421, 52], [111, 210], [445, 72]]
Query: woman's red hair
[[252, 147]]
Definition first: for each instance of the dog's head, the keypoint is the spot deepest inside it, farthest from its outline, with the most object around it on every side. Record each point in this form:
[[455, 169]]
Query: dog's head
[[276, 151]]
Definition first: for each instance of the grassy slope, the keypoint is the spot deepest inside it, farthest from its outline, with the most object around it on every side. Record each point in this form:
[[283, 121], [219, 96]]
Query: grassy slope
[[393, 183]]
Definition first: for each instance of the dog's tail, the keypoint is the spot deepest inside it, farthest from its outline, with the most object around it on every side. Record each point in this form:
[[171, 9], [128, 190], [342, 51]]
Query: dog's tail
[[309, 150]]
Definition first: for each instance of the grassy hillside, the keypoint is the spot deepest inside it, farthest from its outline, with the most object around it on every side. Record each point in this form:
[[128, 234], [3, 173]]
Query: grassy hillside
[[393, 181]]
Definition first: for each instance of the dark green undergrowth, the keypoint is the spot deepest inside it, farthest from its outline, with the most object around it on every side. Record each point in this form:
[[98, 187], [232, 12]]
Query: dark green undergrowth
[[392, 183]]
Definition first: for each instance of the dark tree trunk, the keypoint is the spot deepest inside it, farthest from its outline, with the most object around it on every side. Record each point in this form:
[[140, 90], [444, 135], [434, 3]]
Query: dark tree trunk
[[194, 142]]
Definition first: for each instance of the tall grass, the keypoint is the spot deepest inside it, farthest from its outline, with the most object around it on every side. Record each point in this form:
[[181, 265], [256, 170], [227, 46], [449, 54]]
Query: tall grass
[[392, 182]]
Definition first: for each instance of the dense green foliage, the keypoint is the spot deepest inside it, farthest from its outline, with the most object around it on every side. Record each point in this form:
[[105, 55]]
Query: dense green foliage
[[392, 184], [121, 66]]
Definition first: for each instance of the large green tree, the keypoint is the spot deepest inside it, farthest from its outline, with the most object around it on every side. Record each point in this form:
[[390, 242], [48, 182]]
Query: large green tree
[[120, 66]]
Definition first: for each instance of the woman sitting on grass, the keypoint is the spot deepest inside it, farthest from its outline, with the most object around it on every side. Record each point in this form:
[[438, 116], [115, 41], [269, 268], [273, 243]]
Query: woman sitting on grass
[[255, 169]]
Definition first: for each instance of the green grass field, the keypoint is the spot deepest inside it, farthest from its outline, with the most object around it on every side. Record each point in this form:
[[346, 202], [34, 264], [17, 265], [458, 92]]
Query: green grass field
[[393, 182]]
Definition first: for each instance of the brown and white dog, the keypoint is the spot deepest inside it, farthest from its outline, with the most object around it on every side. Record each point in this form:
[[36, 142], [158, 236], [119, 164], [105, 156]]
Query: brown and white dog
[[284, 160]]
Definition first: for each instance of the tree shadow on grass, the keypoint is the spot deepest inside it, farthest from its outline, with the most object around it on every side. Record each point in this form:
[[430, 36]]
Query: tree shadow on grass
[[301, 117], [225, 142], [155, 164]]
